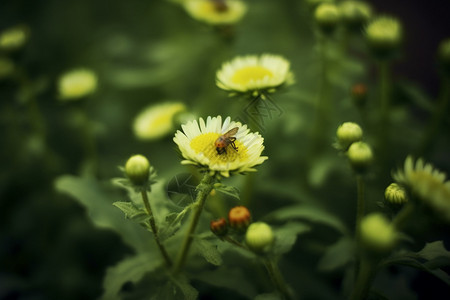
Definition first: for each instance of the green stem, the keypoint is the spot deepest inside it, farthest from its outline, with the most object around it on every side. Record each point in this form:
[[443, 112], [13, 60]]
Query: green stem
[[360, 206], [384, 81], [155, 229], [277, 278], [403, 216], [322, 118], [365, 276], [204, 188], [430, 137], [230, 240]]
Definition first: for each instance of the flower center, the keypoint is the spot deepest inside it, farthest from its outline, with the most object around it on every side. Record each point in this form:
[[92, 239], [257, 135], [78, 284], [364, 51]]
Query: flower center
[[250, 73], [204, 143]]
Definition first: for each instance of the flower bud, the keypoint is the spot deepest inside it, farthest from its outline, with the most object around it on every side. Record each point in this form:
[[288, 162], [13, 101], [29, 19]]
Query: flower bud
[[395, 194], [76, 84], [239, 218], [378, 235], [219, 227], [13, 38], [327, 17], [348, 133], [444, 55], [259, 237], [354, 14], [359, 94], [384, 35], [137, 169], [360, 156]]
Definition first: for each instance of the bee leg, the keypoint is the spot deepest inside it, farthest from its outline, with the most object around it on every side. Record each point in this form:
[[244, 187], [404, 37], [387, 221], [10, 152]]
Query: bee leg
[[220, 150], [234, 145]]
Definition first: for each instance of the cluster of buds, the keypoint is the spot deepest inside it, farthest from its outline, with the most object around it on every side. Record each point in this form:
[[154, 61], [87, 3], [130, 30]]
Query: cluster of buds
[[259, 237], [349, 136]]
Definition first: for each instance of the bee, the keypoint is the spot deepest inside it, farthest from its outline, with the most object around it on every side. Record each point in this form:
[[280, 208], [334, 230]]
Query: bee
[[226, 139]]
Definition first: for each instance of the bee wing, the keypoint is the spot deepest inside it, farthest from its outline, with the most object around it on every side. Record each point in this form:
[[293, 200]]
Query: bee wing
[[231, 132]]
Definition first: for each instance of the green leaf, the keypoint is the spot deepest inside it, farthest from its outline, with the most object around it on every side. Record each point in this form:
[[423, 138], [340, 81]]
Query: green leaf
[[98, 203], [131, 269], [337, 255], [434, 250], [228, 190], [434, 253], [172, 223], [267, 296], [286, 236], [131, 211], [231, 278], [189, 292], [307, 212], [209, 251]]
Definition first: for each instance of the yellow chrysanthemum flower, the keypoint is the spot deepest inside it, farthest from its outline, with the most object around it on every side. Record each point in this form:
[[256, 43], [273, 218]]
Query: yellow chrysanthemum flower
[[77, 83], [427, 184], [198, 147], [157, 121], [254, 74], [216, 12]]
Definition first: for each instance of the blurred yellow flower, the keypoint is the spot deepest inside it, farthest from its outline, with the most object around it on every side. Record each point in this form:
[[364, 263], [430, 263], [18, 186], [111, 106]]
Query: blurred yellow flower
[[254, 74], [216, 12], [427, 184], [197, 145], [13, 38], [157, 121], [76, 84]]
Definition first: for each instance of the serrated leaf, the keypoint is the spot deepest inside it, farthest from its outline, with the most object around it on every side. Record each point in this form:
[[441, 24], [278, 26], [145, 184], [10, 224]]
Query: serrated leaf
[[308, 212], [131, 269], [434, 250], [131, 211], [337, 255], [173, 223], [228, 190], [189, 292], [92, 195], [286, 236], [209, 251]]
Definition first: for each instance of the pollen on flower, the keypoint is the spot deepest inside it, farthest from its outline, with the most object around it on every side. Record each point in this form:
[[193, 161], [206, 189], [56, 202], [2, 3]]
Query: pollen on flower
[[204, 143], [251, 73]]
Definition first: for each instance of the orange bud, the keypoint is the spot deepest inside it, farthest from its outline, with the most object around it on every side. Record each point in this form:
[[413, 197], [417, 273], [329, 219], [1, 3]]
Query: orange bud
[[239, 218], [219, 227]]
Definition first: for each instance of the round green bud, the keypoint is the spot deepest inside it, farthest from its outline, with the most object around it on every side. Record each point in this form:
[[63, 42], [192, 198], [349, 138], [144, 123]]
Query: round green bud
[[384, 35], [259, 237], [354, 14], [444, 55], [327, 17], [395, 194], [378, 235], [13, 38], [348, 133], [137, 169], [360, 156]]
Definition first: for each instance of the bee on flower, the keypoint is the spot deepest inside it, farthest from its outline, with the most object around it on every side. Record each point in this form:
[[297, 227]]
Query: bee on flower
[[198, 144]]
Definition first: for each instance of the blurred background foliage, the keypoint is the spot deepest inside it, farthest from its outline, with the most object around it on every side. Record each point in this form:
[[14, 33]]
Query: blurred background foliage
[[146, 52]]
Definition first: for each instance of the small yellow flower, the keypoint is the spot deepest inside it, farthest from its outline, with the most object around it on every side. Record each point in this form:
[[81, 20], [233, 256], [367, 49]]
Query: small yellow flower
[[428, 184], [254, 74], [77, 83], [197, 145], [157, 121], [216, 12]]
